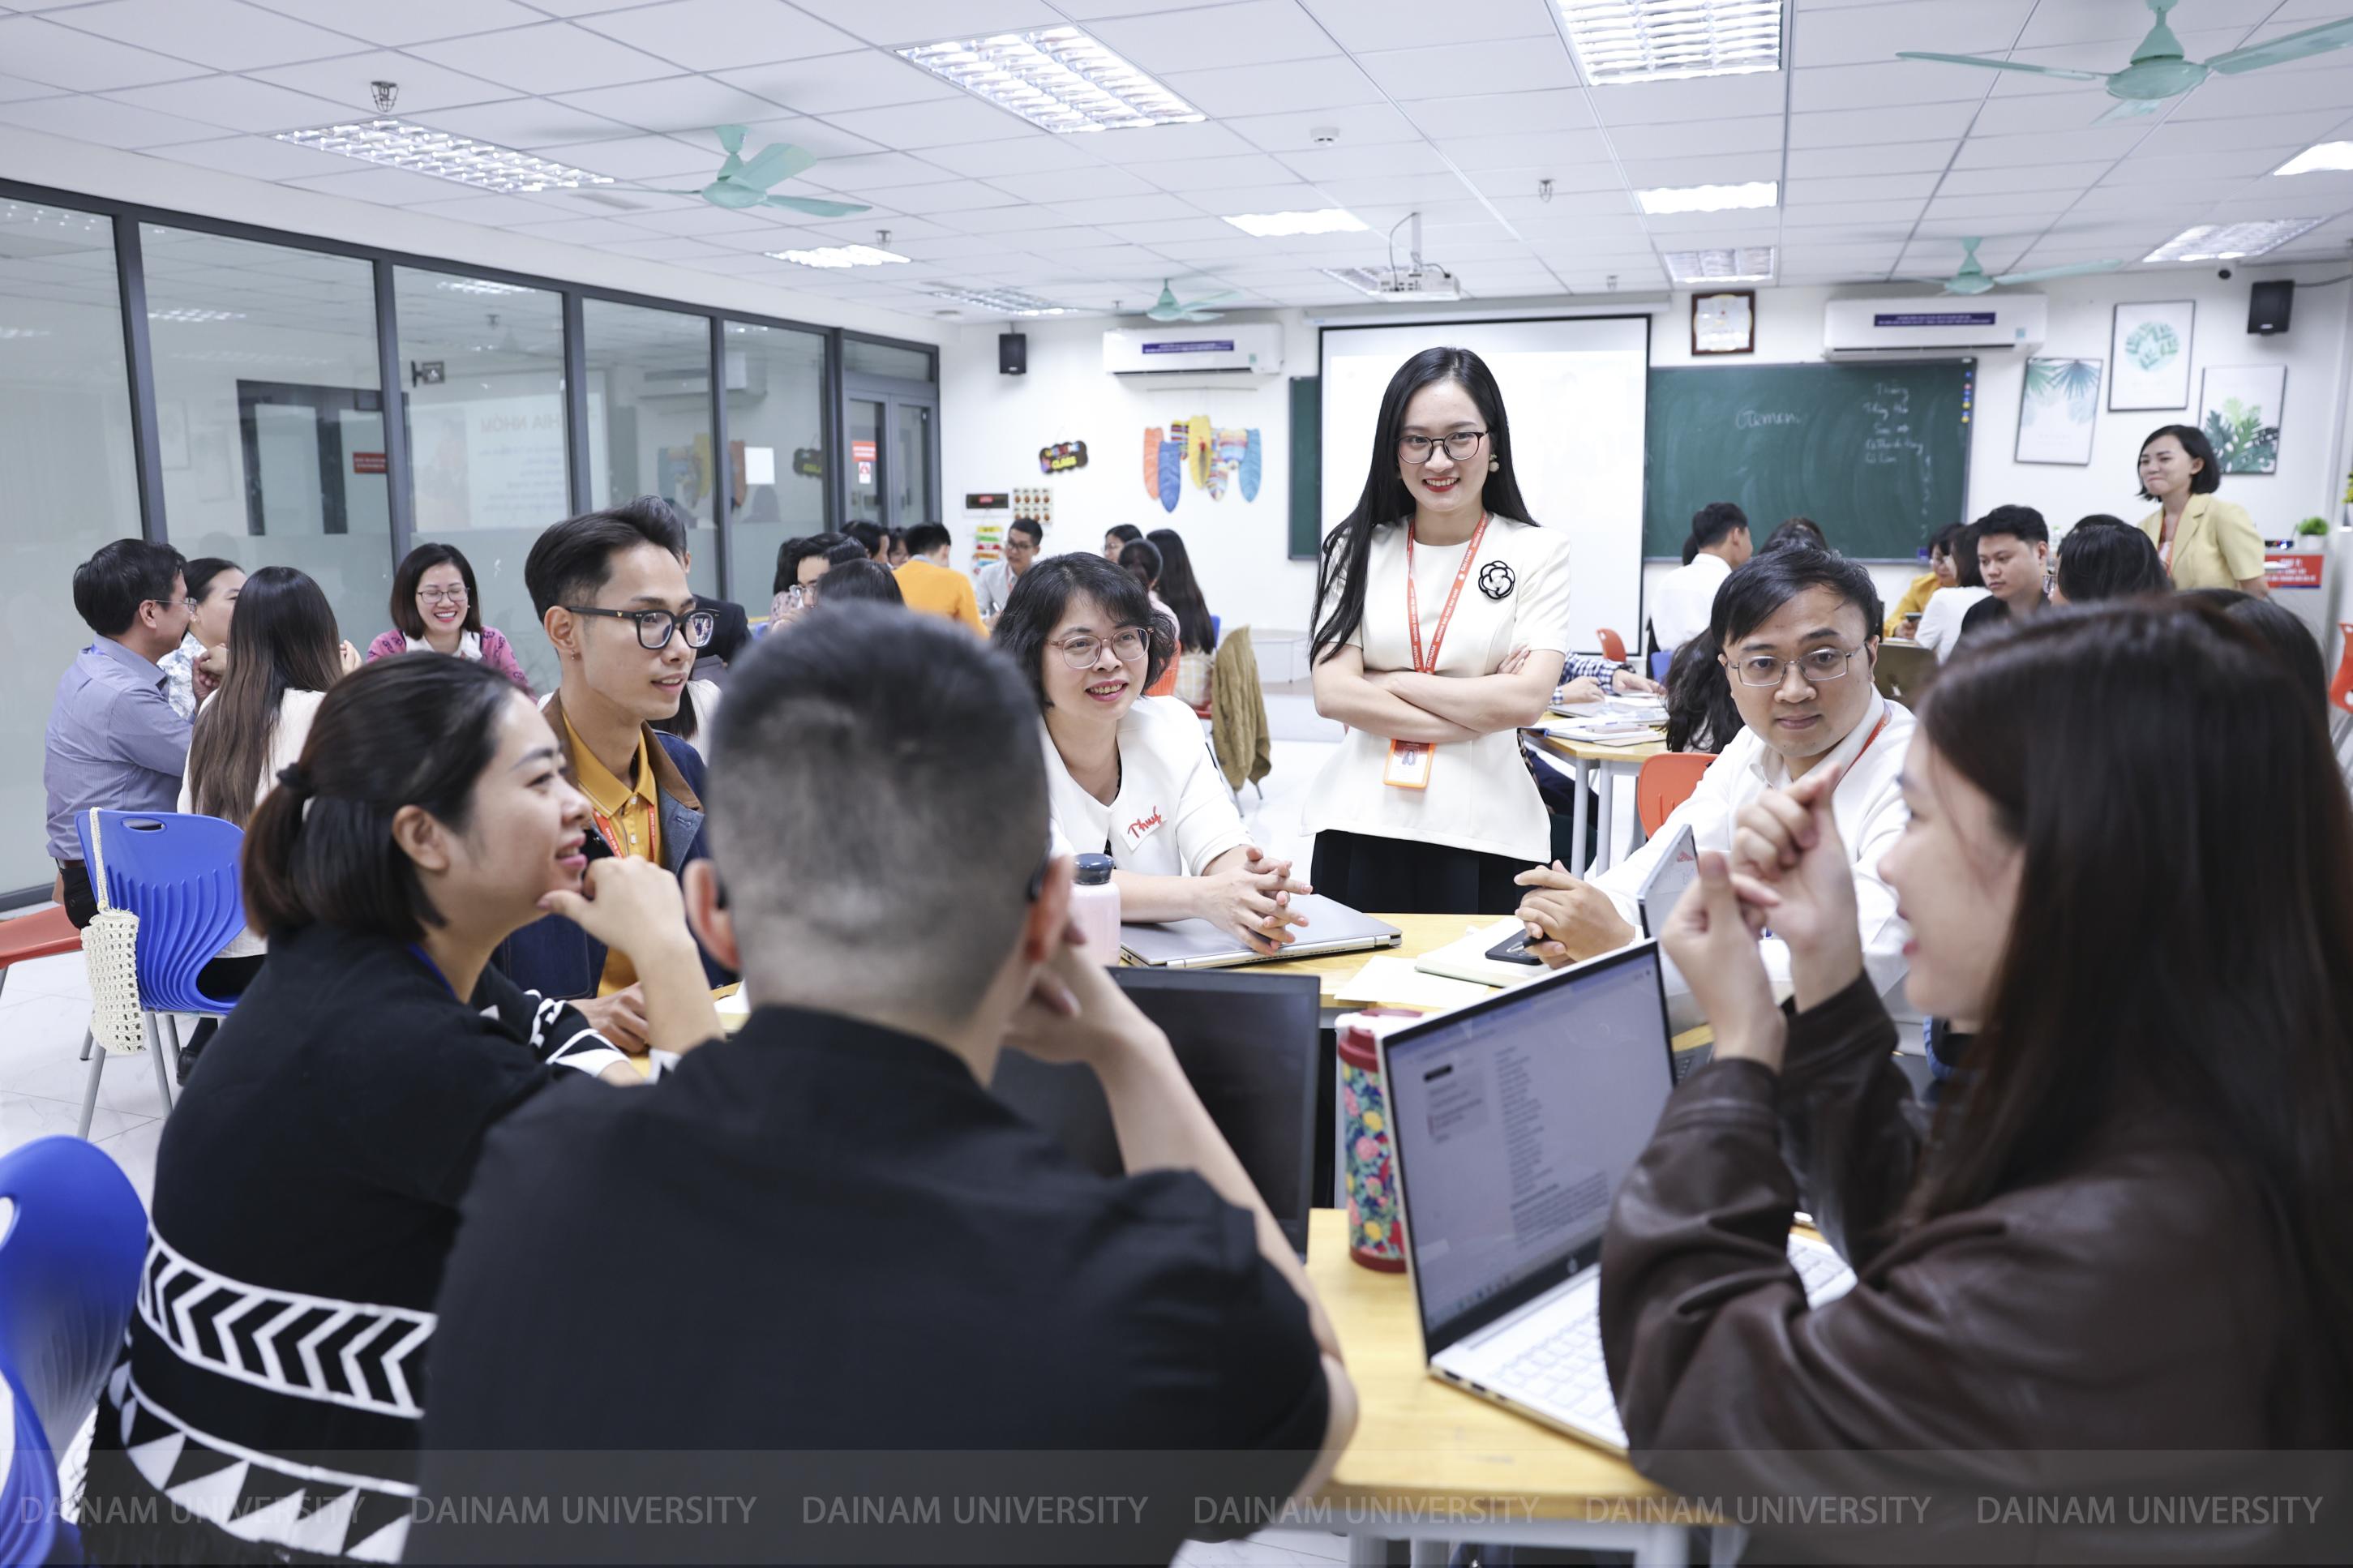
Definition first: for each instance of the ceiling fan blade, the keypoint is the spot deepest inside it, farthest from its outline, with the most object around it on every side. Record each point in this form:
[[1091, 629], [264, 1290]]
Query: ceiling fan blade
[[2004, 65], [2039, 273], [777, 161], [1943, 283], [1202, 316], [2132, 108], [817, 208], [2279, 51]]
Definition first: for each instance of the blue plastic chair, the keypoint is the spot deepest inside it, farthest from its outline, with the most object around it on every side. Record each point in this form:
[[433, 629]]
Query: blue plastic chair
[[69, 1258], [1658, 662], [178, 873]]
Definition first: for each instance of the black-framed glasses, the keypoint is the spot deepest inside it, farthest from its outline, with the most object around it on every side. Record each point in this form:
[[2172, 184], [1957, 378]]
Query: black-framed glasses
[[1082, 651], [1462, 445], [437, 595], [1823, 664], [655, 627]]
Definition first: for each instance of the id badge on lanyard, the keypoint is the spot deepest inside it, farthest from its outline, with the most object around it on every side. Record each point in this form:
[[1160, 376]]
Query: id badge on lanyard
[[1409, 762]]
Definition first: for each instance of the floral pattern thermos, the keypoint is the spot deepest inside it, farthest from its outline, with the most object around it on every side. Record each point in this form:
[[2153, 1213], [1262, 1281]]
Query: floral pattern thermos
[[1375, 1220]]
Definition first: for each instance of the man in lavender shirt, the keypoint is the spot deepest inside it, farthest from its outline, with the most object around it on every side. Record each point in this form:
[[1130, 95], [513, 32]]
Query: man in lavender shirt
[[114, 741]]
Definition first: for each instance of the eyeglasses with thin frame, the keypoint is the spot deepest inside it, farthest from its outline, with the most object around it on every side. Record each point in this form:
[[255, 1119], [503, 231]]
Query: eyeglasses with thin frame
[[1462, 445], [1820, 665], [1081, 652], [655, 628], [439, 595]]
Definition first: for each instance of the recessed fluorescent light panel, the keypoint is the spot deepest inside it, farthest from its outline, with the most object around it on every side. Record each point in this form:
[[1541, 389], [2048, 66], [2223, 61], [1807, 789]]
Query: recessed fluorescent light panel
[[423, 151], [2329, 157], [1057, 78], [1282, 226], [1652, 40], [1011, 301], [187, 314], [1709, 198], [2229, 241], [482, 285], [1750, 264], [839, 255]]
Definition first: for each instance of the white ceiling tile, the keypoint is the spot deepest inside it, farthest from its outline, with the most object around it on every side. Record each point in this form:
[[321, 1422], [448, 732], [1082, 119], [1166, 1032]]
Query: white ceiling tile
[[1995, 182], [949, 196], [1522, 206], [256, 157], [932, 21], [552, 57], [1022, 223], [1879, 84], [1122, 209], [1166, 143], [2145, 171], [492, 211], [1690, 98], [1736, 169], [2177, 196], [1022, 155], [1698, 138], [87, 118], [2010, 212], [1363, 195], [1210, 249], [1819, 192], [872, 171], [947, 122], [1877, 214], [1071, 184], [1253, 30], [1159, 231], [1292, 85], [39, 50], [2063, 113], [2266, 92], [2092, 151], [590, 229], [675, 247], [1893, 158], [425, 89], [713, 34], [409, 22], [869, 79], [1722, 228], [1211, 173], [2282, 132], [675, 103], [1336, 163], [1451, 70], [12, 89], [863, 230], [813, 135], [1359, 124], [1866, 127], [235, 102], [661, 159], [387, 188], [1488, 114], [1860, 36], [2127, 21], [1573, 179], [1575, 159], [1369, 25], [222, 34]]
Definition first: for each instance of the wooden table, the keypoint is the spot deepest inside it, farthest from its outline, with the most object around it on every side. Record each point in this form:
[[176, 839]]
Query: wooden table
[[1432, 1464], [1423, 934], [1586, 756]]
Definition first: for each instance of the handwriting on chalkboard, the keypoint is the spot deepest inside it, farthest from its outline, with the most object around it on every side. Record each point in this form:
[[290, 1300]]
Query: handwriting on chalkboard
[[1750, 418], [1891, 439]]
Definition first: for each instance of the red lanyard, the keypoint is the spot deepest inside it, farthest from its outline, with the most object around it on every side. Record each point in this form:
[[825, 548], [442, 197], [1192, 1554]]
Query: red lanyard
[[1446, 616], [1876, 729]]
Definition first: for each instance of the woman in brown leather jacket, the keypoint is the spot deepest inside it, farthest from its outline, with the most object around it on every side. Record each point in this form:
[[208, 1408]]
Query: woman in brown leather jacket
[[2110, 1287]]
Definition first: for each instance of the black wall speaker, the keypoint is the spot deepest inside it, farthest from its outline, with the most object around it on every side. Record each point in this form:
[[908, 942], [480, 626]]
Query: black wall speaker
[[2269, 305], [1013, 352]]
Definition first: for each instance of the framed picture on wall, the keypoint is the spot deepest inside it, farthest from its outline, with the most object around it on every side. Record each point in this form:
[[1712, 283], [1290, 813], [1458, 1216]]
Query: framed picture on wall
[[2238, 409], [2149, 344], [1724, 322], [2057, 409]]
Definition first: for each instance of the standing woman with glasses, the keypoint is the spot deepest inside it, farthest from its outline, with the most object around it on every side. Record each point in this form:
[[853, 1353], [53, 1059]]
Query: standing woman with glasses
[[611, 592], [1441, 626], [1127, 775], [435, 606]]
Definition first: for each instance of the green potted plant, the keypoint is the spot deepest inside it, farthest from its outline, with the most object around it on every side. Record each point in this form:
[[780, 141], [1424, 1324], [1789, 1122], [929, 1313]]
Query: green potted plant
[[2312, 535]]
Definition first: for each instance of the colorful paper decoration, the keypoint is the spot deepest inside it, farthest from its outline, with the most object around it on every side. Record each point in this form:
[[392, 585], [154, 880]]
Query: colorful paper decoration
[[1153, 436], [1061, 456]]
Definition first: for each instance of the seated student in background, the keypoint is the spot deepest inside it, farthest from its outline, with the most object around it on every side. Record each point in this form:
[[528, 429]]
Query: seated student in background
[[2128, 1238], [314, 1166], [1799, 631], [1118, 538], [930, 585], [880, 1256], [1940, 623], [1798, 531], [2105, 557], [1197, 630], [2204, 542], [1941, 573], [114, 741], [1141, 561], [1680, 600], [192, 668], [800, 563], [1127, 775], [283, 655], [873, 537], [613, 599], [992, 584], [895, 555], [436, 605], [2015, 559], [862, 581]]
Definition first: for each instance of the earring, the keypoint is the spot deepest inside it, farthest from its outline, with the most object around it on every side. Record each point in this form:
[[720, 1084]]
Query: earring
[[1494, 465]]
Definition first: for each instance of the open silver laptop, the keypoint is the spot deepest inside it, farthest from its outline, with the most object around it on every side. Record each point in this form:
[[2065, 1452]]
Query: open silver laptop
[[1515, 1119], [1197, 945], [1670, 877]]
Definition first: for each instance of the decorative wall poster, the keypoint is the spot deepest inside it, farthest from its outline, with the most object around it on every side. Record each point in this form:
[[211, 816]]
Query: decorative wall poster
[[987, 544], [1171, 471], [2057, 411], [1061, 456], [1153, 436], [1252, 465], [1197, 451], [1200, 441], [1035, 504], [2238, 409], [2149, 345]]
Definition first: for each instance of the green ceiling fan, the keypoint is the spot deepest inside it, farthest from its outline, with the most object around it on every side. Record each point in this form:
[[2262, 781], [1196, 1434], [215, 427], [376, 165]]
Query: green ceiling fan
[[744, 182], [1167, 309], [1973, 278], [2159, 72]]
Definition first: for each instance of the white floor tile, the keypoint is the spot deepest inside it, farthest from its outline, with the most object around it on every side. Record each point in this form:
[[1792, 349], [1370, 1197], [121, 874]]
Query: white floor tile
[[134, 1150], [25, 1117], [61, 976]]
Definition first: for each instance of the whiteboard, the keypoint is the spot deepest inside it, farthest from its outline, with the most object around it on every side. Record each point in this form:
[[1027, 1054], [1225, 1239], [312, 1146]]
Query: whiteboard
[[1574, 390]]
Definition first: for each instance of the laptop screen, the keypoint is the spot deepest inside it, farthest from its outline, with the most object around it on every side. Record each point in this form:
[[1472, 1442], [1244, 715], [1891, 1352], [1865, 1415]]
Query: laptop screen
[[1515, 1119], [1676, 871]]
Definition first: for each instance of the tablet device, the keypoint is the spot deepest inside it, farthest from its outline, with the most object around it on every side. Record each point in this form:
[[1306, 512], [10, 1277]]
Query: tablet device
[[1676, 869]]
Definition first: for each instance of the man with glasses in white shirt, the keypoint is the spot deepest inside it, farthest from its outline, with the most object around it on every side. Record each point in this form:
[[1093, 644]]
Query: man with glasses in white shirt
[[1799, 631]]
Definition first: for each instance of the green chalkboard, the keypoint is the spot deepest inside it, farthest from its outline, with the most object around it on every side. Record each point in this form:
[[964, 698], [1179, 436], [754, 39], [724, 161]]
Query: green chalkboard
[[1306, 468], [1877, 453]]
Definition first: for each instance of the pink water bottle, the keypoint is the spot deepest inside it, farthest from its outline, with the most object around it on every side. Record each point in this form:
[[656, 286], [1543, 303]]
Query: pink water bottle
[[1094, 908]]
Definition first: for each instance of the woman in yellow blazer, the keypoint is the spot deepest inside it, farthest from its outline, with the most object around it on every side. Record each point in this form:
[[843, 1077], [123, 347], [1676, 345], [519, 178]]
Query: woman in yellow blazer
[[2204, 542]]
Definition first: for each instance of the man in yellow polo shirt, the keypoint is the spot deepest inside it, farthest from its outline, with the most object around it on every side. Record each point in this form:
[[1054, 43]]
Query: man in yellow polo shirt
[[929, 585]]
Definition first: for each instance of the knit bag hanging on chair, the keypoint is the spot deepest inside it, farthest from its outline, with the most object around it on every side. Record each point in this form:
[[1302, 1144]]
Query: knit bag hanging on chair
[[109, 946]]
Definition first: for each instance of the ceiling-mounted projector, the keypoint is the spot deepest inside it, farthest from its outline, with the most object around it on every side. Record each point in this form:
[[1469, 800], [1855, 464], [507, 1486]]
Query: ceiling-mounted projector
[[1418, 281]]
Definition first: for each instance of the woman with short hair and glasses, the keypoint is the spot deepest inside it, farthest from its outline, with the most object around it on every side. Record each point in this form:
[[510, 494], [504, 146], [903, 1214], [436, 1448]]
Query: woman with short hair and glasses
[[1128, 775], [1441, 626], [436, 605]]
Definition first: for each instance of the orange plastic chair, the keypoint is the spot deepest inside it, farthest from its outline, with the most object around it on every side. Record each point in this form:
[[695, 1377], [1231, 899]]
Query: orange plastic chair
[[28, 937], [1666, 781], [1613, 646], [2340, 690]]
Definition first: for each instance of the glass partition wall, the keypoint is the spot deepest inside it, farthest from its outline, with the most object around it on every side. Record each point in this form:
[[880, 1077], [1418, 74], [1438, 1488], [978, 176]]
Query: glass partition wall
[[225, 389]]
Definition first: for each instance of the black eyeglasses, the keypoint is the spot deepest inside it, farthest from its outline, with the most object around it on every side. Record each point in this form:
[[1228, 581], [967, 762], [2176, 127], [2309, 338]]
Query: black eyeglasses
[[655, 627], [1462, 447]]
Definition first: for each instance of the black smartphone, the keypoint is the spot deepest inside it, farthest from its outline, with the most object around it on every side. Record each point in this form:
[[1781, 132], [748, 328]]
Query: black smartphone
[[1514, 949]]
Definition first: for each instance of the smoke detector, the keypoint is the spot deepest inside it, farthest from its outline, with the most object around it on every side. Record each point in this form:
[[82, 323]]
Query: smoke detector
[[1324, 135]]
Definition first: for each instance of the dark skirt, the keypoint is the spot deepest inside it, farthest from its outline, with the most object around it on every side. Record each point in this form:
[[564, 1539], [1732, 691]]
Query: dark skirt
[[1399, 876]]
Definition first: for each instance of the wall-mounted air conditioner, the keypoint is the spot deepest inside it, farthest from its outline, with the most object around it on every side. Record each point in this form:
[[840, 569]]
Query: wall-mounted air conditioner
[[746, 377], [1936, 327], [1196, 348]]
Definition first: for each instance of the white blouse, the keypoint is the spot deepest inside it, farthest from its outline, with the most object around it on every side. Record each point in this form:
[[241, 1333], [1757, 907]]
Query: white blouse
[[1172, 816], [1940, 623]]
